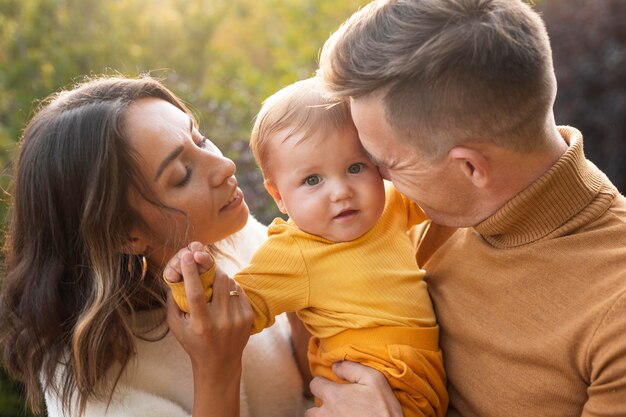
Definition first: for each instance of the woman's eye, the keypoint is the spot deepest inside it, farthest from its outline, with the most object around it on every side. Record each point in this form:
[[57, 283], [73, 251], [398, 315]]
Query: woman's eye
[[355, 168], [185, 179], [312, 180], [203, 143]]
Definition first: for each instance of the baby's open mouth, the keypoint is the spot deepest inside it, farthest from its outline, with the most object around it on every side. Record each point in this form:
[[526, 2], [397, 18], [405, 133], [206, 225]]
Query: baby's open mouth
[[346, 213]]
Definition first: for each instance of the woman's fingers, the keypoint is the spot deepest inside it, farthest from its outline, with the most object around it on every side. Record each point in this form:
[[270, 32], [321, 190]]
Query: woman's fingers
[[173, 271], [243, 305], [195, 247], [193, 286], [174, 314], [221, 288]]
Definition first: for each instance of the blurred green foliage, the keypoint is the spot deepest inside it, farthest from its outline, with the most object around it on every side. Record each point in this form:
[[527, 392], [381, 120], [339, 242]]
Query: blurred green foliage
[[223, 57]]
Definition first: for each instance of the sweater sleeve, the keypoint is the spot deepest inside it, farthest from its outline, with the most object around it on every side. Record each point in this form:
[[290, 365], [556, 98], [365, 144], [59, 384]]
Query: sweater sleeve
[[277, 280], [606, 365], [134, 403]]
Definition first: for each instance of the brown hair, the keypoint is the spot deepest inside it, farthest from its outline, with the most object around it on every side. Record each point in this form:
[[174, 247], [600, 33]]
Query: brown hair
[[69, 295], [302, 107], [452, 70]]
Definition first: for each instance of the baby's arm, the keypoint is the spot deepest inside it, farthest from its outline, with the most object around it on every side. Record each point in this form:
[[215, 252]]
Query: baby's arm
[[174, 278], [276, 281]]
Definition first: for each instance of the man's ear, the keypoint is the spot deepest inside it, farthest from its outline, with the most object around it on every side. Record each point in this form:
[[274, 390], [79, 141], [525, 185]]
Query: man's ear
[[273, 191], [473, 164]]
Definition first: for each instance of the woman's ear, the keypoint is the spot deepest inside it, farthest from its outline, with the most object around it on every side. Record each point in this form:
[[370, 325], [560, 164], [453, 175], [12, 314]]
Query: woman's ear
[[136, 245], [273, 191], [473, 164]]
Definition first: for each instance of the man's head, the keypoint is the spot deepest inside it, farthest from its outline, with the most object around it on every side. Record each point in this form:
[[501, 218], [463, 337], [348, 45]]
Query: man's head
[[452, 98], [448, 71]]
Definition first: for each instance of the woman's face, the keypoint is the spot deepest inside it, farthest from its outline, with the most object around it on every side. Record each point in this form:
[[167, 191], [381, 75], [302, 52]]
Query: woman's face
[[186, 172]]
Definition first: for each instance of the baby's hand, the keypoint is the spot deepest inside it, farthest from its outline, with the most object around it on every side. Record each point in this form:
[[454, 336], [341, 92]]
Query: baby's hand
[[204, 261], [205, 269]]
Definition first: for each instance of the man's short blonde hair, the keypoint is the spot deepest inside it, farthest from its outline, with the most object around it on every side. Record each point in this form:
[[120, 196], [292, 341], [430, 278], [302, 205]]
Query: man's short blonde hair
[[448, 71], [303, 107]]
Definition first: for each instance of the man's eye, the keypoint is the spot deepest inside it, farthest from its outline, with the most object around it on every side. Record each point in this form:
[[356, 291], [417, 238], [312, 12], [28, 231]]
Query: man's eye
[[355, 168], [312, 180]]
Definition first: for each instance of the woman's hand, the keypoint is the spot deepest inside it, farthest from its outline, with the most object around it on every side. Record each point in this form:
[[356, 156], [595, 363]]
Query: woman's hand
[[204, 261], [367, 395], [214, 335]]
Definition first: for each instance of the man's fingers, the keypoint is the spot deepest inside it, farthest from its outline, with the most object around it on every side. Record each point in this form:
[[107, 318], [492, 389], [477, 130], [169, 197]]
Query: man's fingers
[[352, 372], [322, 387], [314, 412], [357, 373]]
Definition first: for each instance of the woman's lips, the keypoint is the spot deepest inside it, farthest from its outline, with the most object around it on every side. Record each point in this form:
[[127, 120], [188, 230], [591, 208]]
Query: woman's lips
[[234, 200]]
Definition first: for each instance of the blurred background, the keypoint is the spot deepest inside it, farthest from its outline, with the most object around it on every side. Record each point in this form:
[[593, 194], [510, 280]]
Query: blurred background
[[223, 57]]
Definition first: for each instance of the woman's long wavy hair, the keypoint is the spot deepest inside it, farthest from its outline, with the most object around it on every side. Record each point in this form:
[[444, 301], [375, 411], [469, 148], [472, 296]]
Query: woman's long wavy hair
[[69, 293]]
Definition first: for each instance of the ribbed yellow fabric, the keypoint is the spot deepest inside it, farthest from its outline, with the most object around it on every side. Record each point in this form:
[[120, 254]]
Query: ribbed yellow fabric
[[371, 286], [532, 301], [408, 357], [368, 282]]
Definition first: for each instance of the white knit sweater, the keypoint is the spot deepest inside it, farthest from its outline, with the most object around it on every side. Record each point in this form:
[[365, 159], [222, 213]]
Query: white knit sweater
[[158, 381]]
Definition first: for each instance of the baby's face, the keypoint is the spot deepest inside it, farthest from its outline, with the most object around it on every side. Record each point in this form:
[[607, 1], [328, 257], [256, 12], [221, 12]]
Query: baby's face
[[327, 184]]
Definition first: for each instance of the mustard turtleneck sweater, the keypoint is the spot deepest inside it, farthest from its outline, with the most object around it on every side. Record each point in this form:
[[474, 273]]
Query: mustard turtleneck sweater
[[532, 301]]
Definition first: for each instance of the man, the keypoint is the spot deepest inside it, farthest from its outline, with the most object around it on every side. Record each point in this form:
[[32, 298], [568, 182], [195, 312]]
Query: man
[[453, 99]]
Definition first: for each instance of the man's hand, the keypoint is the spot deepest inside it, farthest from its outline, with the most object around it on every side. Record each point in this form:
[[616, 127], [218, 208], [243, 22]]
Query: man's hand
[[367, 395]]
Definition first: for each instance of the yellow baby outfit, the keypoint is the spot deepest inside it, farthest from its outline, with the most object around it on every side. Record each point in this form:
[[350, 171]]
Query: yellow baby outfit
[[363, 300]]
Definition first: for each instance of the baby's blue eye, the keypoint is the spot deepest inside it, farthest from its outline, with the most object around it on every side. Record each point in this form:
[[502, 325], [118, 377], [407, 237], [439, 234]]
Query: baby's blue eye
[[355, 168], [312, 180]]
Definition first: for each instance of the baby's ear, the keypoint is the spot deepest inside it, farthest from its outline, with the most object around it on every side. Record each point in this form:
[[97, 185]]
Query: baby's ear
[[273, 190]]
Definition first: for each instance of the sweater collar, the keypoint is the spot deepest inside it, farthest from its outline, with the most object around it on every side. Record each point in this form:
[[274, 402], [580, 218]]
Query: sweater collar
[[550, 203]]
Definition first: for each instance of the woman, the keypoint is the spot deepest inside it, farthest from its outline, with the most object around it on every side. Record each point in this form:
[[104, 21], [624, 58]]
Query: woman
[[113, 178]]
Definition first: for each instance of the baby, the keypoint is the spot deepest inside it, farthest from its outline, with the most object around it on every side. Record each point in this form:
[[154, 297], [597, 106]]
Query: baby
[[343, 260]]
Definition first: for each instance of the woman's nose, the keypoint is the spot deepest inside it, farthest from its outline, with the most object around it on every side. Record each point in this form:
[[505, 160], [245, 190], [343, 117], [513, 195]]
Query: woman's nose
[[221, 169]]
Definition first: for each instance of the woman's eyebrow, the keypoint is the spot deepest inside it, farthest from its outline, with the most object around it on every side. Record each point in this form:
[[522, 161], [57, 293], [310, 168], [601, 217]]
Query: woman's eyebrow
[[173, 155], [168, 159]]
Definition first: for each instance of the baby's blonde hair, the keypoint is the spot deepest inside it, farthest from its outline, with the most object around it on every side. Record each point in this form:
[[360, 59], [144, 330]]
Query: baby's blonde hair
[[304, 108]]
